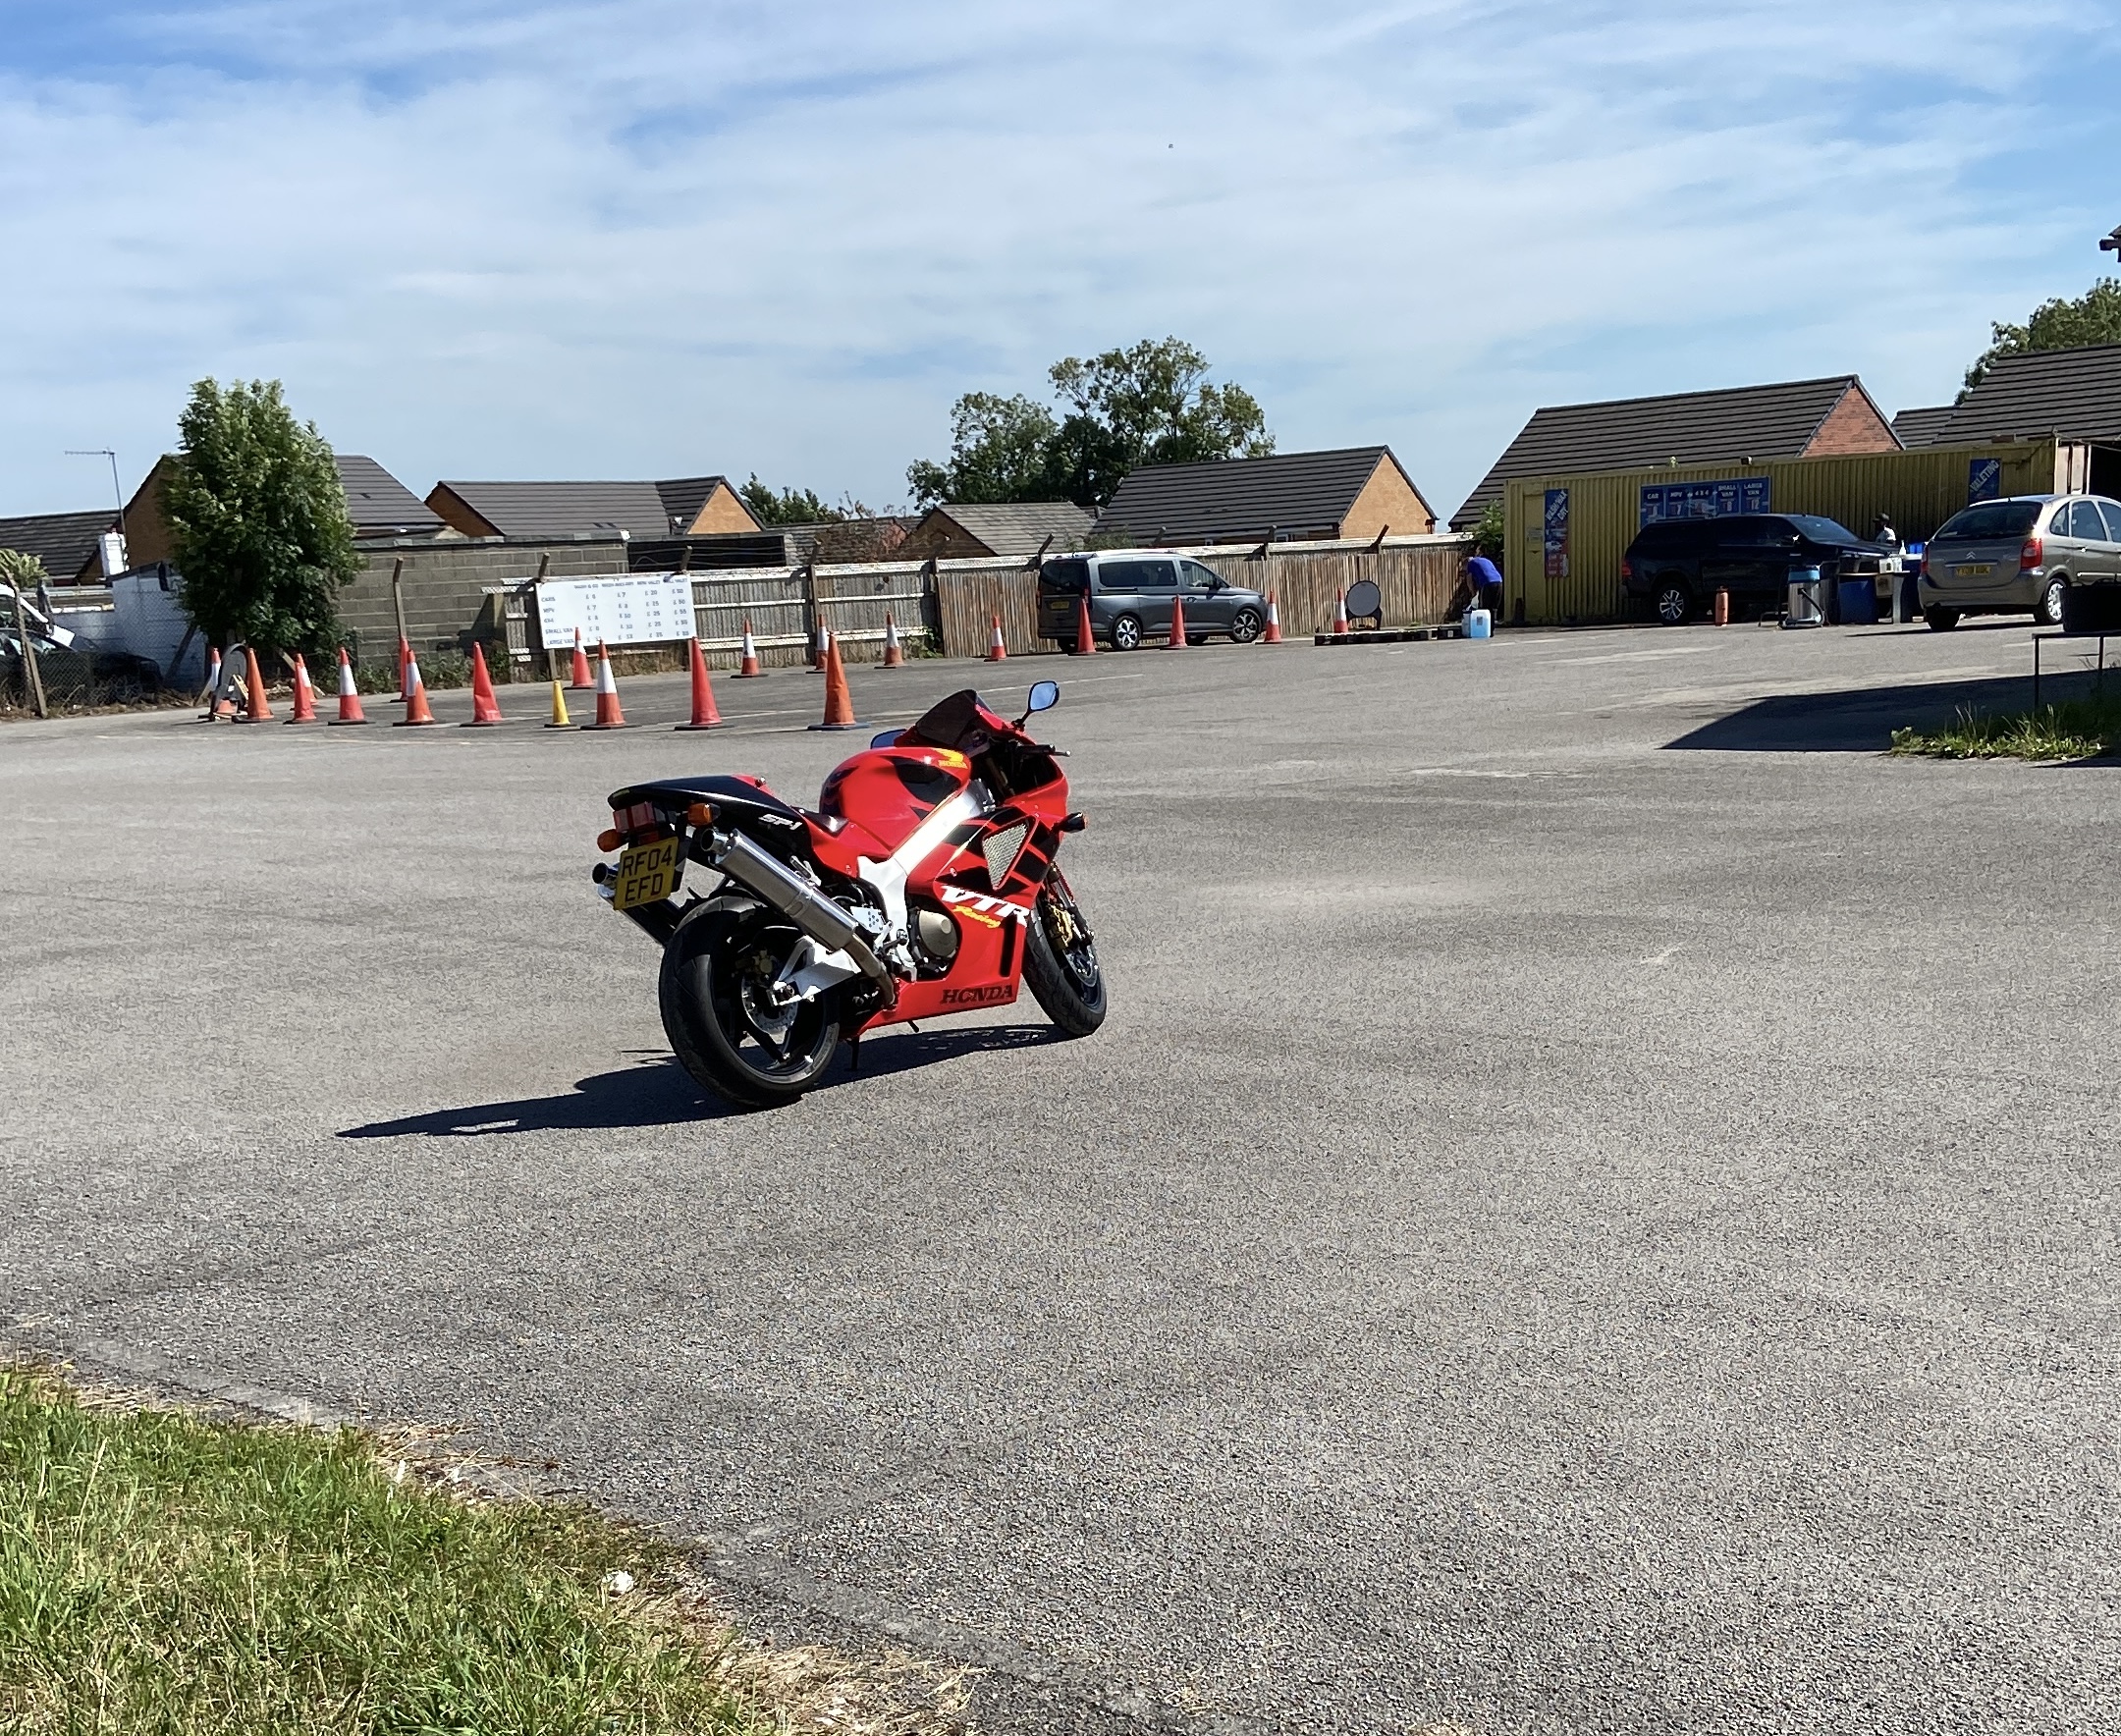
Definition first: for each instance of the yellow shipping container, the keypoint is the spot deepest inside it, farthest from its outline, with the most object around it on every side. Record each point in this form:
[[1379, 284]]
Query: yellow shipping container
[[1566, 534]]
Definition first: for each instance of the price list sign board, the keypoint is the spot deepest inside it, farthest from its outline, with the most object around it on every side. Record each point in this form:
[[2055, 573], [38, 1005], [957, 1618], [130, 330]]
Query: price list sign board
[[616, 608]]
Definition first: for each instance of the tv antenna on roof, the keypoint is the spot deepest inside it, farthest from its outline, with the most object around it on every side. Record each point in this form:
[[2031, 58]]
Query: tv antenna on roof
[[117, 493]]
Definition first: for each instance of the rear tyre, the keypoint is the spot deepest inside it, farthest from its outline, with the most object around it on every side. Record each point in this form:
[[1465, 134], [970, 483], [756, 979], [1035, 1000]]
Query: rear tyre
[[1060, 962], [1673, 602], [1245, 627], [2049, 612], [1127, 633], [1941, 621], [721, 1019]]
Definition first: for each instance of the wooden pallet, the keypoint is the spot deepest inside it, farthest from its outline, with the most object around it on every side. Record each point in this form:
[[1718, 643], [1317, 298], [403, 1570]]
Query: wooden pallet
[[1405, 635]]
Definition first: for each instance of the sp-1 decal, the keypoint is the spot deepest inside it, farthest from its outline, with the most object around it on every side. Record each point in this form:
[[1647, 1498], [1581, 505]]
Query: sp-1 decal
[[983, 906], [975, 996]]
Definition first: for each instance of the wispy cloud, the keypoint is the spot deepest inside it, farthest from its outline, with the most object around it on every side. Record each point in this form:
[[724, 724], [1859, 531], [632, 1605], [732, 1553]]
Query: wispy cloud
[[645, 237]]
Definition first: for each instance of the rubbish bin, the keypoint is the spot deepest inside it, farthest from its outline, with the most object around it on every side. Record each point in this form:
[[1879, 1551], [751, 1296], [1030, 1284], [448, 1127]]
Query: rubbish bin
[[1859, 601], [1803, 606]]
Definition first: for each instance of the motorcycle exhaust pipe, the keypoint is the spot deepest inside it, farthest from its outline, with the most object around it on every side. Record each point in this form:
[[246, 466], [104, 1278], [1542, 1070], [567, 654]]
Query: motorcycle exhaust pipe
[[809, 909]]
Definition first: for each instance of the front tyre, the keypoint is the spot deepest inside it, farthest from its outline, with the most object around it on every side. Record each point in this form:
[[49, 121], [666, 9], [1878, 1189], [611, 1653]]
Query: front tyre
[[720, 1014], [1060, 962], [1245, 627]]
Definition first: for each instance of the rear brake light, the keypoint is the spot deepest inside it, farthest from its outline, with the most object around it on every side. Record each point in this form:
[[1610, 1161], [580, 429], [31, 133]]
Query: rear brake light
[[2029, 556], [1627, 569]]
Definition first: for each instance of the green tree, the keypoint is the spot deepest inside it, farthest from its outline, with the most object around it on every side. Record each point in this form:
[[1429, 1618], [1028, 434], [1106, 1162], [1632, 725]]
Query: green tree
[[2095, 317], [1001, 449], [258, 519], [1488, 532], [792, 506], [1149, 402]]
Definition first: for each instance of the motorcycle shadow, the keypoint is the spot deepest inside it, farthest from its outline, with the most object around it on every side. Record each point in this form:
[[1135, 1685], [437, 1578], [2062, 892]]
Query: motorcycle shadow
[[656, 1092]]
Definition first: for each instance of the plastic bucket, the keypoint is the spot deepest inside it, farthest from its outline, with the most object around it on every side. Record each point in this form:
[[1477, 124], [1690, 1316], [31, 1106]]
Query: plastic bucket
[[1859, 601], [1478, 624]]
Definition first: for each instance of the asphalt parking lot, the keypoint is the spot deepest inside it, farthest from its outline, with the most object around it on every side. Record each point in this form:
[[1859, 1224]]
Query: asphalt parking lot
[[1594, 1209]]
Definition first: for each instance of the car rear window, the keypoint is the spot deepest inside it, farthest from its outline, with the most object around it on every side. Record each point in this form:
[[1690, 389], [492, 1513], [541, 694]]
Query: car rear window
[[1991, 521], [1064, 575], [1672, 536]]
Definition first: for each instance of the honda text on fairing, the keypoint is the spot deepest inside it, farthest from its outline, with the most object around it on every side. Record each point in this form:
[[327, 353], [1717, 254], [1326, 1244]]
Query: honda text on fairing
[[924, 885]]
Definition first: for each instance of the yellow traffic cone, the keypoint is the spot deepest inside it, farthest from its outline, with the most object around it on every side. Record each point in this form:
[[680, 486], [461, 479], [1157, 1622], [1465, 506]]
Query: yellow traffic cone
[[558, 709]]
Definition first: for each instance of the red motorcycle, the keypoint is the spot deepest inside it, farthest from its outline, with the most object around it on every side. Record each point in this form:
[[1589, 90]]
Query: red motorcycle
[[925, 885]]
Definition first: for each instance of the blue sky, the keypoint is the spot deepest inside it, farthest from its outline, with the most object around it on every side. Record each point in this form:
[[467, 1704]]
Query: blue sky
[[650, 238]]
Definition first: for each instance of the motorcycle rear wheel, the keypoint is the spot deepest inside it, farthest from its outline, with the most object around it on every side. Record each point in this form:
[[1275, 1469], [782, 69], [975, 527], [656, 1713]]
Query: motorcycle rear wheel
[[722, 1025], [1060, 962]]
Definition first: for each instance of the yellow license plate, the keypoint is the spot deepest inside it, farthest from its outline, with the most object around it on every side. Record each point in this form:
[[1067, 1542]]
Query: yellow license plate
[[1972, 569], [646, 872]]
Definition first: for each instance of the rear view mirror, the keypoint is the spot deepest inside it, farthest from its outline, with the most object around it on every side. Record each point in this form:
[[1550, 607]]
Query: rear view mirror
[[886, 738], [1044, 696]]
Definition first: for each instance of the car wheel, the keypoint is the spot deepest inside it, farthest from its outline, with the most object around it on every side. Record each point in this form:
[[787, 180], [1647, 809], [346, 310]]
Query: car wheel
[[2049, 612], [1941, 621], [1244, 626], [1127, 633], [1674, 603]]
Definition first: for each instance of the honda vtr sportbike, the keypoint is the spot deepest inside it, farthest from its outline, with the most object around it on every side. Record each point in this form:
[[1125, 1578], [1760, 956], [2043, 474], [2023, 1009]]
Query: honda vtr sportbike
[[924, 884]]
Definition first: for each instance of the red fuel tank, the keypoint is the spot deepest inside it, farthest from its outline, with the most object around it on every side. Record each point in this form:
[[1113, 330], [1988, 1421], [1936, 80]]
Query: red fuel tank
[[890, 791]]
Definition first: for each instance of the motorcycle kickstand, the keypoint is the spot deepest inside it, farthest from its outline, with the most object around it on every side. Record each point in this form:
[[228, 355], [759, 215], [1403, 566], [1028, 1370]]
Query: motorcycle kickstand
[[853, 1053]]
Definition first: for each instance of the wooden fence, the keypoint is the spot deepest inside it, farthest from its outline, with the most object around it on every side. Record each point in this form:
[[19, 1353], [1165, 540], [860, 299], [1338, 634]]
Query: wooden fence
[[952, 604]]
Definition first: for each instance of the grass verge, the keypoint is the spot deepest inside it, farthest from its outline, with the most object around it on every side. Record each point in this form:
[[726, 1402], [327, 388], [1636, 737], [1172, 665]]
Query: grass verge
[[2078, 729], [163, 1569]]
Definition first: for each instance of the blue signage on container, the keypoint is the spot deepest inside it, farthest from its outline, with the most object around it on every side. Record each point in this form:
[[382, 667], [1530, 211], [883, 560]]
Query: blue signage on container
[[1706, 500], [1556, 534], [1984, 479]]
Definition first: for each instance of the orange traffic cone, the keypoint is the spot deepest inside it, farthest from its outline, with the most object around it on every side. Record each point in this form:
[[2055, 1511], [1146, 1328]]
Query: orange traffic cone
[[416, 705], [819, 645], [579, 680], [838, 702], [1340, 611], [213, 672], [704, 714], [304, 693], [255, 709], [996, 651], [1177, 641], [350, 711], [747, 663], [607, 714], [485, 707], [1085, 635], [405, 679], [1273, 634], [893, 652]]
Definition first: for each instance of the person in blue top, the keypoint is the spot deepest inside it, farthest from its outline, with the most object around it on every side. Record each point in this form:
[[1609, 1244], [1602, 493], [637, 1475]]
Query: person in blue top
[[1485, 585]]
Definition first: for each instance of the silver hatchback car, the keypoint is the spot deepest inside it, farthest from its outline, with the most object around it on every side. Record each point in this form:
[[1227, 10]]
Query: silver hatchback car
[[2010, 557]]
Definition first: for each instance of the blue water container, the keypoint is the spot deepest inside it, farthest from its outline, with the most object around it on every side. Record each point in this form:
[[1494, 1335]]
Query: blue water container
[[1859, 601], [1478, 624]]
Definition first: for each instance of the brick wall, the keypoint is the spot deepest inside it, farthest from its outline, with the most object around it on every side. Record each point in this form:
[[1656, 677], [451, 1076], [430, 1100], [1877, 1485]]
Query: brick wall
[[1854, 425]]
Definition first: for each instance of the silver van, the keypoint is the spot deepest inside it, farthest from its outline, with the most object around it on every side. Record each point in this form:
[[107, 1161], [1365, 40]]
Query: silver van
[[2020, 555], [1130, 594]]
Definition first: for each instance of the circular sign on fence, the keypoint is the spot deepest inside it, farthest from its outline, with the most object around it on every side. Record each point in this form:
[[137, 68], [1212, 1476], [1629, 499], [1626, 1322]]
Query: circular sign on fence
[[1363, 600]]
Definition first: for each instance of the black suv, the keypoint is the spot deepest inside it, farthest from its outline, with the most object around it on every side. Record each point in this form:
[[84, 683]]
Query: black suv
[[1677, 564]]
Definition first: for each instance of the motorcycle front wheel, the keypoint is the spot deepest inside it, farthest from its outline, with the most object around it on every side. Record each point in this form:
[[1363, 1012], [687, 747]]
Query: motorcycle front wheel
[[1060, 962], [718, 1012]]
